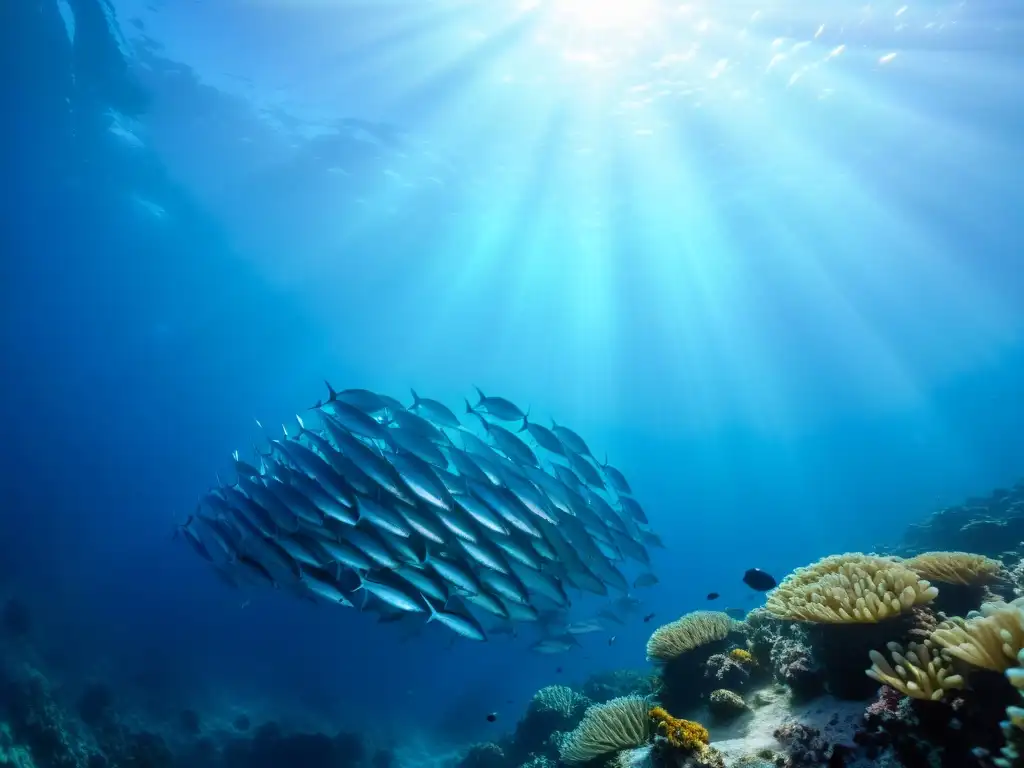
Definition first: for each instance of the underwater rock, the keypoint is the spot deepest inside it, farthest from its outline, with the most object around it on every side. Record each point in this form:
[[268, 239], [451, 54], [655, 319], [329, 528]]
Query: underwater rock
[[725, 705]]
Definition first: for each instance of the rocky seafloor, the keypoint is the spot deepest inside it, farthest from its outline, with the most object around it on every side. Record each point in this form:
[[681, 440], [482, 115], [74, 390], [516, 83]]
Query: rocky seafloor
[[904, 659]]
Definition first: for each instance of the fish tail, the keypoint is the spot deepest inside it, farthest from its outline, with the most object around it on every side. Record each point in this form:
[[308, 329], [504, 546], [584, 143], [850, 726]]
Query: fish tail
[[526, 421], [430, 607]]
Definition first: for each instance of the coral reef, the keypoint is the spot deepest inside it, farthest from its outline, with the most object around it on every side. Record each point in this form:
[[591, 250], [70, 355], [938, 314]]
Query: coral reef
[[918, 673], [619, 724], [849, 589], [554, 709], [982, 525], [687, 633], [853, 603], [990, 639], [487, 755], [683, 649], [784, 648], [964, 580]]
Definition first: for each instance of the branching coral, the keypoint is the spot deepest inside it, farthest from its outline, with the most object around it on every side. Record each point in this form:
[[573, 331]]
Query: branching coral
[[918, 673], [621, 723], [849, 589], [956, 568], [684, 735], [991, 639], [557, 698], [687, 633]]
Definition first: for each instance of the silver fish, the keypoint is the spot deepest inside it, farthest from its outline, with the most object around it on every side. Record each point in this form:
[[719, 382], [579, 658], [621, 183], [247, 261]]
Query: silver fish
[[498, 407], [433, 410], [392, 590], [570, 439], [461, 623]]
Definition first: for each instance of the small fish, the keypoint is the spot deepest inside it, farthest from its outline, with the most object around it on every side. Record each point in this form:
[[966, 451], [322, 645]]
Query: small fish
[[558, 670], [492, 717], [648, 617], [646, 580], [757, 579], [584, 627], [553, 645], [611, 640], [713, 595]]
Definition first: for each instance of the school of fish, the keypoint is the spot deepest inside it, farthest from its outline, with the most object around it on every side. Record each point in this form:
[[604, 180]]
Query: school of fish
[[408, 510]]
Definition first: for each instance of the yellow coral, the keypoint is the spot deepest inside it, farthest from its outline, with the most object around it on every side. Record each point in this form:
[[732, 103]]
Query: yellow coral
[[687, 633], [849, 589], [990, 639], [682, 734], [918, 673], [742, 656], [956, 568]]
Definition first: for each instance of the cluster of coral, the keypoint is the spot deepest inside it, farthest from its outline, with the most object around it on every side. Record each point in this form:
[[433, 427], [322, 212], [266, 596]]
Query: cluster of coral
[[855, 660]]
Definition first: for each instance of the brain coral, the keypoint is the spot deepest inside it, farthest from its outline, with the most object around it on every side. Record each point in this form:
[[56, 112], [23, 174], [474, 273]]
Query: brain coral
[[990, 639], [619, 724], [849, 589], [691, 631], [956, 568]]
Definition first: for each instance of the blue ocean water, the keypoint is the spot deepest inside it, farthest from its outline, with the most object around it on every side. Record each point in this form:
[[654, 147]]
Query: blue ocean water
[[764, 256]]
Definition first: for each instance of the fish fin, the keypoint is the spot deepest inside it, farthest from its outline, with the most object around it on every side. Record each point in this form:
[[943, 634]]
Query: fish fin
[[316, 406], [234, 454], [258, 424], [481, 394], [302, 426], [469, 408], [331, 394], [415, 399]]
